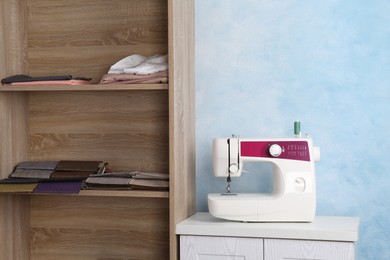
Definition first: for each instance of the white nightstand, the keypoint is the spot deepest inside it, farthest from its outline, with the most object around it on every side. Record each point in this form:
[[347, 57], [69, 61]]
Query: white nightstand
[[204, 237]]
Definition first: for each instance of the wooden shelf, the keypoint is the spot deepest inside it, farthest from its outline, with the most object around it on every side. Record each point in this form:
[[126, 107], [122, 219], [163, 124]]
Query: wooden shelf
[[94, 87], [129, 193], [105, 193]]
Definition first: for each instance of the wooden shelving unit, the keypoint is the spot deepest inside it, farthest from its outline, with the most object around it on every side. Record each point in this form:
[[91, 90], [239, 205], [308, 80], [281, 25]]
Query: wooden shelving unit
[[147, 127]]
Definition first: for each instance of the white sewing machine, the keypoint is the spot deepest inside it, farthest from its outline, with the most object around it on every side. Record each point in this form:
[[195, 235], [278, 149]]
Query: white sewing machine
[[294, 192]]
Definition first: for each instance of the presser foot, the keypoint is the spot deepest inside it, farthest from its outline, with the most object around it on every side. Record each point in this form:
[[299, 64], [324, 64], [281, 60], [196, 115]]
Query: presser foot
[[228, 188], [228, 194]]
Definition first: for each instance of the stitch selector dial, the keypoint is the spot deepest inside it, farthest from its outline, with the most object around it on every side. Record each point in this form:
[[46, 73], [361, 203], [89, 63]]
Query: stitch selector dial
[[275, 150]]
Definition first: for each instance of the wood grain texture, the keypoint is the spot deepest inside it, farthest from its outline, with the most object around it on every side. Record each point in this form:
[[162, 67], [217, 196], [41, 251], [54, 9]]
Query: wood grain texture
[[66, 227], [13, 131], [13, 35], [14, 224], [220, 248], [181, 115], [13, 109], [14, 209], [85, 38], [129, 130], [283, 249]]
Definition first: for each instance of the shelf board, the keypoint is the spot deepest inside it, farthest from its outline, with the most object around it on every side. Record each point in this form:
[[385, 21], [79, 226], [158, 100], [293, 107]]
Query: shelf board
[[93, 87], [104, 193], [129, 193]]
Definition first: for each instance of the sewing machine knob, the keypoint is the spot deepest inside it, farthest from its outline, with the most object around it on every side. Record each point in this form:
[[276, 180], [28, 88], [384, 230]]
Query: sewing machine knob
[[300, 184], [275, 150], [233, 168]]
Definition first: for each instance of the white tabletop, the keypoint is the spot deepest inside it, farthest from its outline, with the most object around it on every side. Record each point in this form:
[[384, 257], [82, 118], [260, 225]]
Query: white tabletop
[[330, 228]]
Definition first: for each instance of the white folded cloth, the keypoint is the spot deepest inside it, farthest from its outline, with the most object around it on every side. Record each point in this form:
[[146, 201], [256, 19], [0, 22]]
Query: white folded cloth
[[140, 65], [128, 62]]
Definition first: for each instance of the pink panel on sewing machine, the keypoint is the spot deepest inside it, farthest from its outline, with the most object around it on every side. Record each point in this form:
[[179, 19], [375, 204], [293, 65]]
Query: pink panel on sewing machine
[[292, 150]]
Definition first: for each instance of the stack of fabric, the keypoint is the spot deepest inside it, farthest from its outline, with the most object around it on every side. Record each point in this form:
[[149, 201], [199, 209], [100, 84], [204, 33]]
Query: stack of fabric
[[25, 80], [129, 180], [64, 176], [138, 69]]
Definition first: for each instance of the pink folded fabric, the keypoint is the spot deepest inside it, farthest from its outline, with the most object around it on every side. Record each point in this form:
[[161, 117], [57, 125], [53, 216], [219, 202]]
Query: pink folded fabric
[[159, 77], [51, 82]]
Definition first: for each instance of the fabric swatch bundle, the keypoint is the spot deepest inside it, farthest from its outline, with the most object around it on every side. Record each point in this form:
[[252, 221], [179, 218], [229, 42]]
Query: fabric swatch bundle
[[129, 180], [65, 176]]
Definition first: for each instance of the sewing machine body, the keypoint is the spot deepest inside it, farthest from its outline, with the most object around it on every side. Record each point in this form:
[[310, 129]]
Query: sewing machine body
[[293, 198]]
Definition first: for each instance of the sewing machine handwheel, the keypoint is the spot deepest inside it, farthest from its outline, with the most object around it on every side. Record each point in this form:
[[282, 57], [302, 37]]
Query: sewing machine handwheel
[[275, 150]]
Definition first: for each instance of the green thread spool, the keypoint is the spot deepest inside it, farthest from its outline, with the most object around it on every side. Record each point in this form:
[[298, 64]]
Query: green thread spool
[[297, 129]]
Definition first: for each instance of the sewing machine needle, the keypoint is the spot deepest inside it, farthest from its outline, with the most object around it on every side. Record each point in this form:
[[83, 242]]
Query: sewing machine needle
[[229, 180]]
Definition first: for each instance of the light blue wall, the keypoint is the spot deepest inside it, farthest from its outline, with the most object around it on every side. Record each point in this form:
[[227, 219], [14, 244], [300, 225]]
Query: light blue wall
[[261, 64]]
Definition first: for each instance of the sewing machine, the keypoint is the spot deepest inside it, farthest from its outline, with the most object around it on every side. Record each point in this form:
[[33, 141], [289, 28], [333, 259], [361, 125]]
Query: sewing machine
[[293, 198]]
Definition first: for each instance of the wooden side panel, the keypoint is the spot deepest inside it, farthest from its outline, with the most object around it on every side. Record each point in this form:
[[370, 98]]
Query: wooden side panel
[[128, 129], [13, 36], [181, 115], [13, 106], [84, 38], [14, 222], [66, 227], [14, 209]]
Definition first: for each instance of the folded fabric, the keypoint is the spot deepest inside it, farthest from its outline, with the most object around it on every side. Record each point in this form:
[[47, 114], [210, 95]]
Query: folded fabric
[[26, 78], [158, 77], [135, 175], [107, 183], [149, 184], [140, 65], [32, 174], [17, 187], [125, 183], [127, 62], [57, 170], [129, 180], [67, 187], [108, 180], [70, 165], [72, 82], [116, 175], [37, 165], [77, 170], [152, 65], [18, 181], [71, 175], [151, 176]]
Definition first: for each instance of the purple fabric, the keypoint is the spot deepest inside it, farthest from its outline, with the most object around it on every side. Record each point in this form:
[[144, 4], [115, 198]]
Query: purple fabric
[[67, 187]]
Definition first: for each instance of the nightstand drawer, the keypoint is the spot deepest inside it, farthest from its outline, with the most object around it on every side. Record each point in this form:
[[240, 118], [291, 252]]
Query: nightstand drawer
[[220, 248], [284, 249]]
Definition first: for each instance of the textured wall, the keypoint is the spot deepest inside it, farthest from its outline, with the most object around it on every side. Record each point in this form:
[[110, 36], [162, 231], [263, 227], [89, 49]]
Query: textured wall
[[261, 64]]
